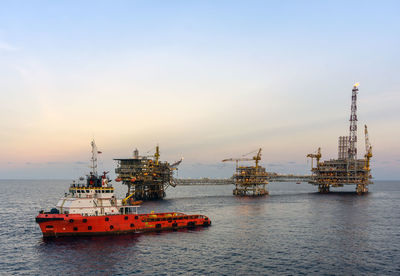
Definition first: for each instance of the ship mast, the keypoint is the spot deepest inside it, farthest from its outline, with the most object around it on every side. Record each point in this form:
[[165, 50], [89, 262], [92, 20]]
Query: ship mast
[[93, 160]]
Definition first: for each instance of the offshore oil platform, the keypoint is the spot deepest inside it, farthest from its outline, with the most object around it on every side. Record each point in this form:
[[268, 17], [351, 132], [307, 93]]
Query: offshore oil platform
[[347, 169], [249, 180], [147, 177]]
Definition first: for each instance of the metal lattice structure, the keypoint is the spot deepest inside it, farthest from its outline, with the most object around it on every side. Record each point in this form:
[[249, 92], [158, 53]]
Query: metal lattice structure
[[249, 180], [147, 178], [343, 147], [347, 169], [353, 125]]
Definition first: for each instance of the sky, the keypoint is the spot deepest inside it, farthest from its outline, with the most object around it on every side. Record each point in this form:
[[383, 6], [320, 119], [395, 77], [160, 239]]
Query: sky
[[206, 80]]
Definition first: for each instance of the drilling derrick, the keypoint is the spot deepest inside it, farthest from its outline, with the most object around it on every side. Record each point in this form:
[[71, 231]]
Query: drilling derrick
[[249, 180], [353, 125], [347, 169], [147, 177]]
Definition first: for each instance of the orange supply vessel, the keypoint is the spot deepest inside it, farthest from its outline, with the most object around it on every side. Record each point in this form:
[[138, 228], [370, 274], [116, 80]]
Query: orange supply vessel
[[91, 208]]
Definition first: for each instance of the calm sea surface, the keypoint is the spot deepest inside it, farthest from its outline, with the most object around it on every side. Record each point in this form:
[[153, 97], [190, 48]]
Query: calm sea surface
[[294, 230]]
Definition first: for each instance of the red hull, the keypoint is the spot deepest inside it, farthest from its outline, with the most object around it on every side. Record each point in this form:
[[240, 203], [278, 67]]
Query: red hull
[[57, 225]]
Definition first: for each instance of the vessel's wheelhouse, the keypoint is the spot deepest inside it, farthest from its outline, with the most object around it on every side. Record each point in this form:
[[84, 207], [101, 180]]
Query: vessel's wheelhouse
[[90, 198], [80, 191]]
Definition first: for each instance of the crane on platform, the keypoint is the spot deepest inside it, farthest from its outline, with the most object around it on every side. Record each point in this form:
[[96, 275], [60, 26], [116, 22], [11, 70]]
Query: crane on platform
[[237, 160], [368, 149], [157, 155], [317, 156], [256, 158]]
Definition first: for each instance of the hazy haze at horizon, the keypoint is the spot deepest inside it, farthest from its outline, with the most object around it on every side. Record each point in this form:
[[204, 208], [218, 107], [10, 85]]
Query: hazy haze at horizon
[[207, 81]]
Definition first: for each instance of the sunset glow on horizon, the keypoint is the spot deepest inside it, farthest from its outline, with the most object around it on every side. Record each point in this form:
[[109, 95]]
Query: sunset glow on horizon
[[204, 80]]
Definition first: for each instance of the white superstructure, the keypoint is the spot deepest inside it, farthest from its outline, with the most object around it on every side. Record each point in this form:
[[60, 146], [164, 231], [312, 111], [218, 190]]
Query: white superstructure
[[95, 197], [89, 201]]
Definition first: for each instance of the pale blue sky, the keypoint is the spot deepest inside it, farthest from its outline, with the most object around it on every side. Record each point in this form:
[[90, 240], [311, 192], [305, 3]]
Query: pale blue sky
[[206, 80]]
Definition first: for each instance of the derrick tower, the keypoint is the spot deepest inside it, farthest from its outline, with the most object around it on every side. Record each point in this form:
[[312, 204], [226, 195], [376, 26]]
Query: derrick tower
[[347, 169], [352, 155], [353, 125]]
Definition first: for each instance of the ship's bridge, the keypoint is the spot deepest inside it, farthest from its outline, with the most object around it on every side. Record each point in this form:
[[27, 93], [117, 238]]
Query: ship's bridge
[[84, 191]]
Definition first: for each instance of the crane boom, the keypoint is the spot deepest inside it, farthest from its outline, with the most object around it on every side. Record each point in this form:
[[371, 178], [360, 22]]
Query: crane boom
[[237, 159], [317, 156], [368, 149], [367, 143], [256, 158]]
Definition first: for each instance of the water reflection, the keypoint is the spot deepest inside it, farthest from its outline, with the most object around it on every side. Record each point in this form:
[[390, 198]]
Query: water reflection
[[93, 255], [293, 231]]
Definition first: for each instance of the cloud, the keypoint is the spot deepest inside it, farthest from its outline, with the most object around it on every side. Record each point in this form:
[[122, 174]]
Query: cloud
[[7, 47], [54, 163], [274, 165], [209, 165]]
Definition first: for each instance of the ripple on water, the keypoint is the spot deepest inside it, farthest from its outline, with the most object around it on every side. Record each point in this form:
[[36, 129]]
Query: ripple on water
[[292, 231]]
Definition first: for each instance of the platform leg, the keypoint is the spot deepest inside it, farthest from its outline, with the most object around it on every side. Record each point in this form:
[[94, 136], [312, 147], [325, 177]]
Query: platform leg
[[323, 188], [361, 189]]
